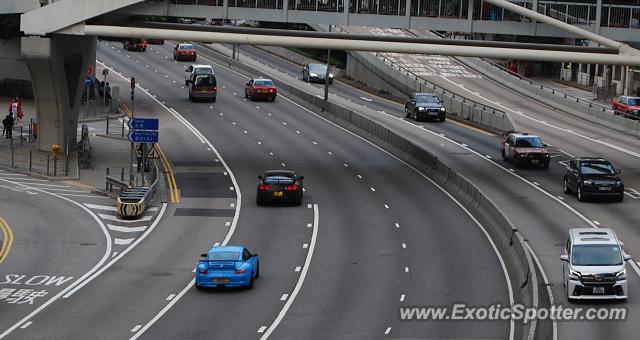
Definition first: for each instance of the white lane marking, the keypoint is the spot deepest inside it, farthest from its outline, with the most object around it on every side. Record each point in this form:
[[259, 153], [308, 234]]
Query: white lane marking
[[404, 246], [536, 183], [303, 275], [284, 297], [309, 225], [546, 282], [366, 99], [271, 153], [284, 123], [305, 246], [612, 146], [283, 165], [596, 222], [297, 269], [495, 249], [99, 207], [373, 189], [170, 297], [259, 143], [346, 165], [330, 153], [89, 196], [566, 153], [297, 131], [232, 205], [136, 328], [65, 190], [203, 140], [16, 177], [314, 142], [463, 144], [397, 225], [116, 218], [262, 329], [232, 188], [484, 155], [309, 206], [387, 331], [115, 253], [359, 176], [406, 269], [123, 241], [80, 281], [560, 197], [126, 229], [234, 123], [27, 324], [402, 298], [386, 206]]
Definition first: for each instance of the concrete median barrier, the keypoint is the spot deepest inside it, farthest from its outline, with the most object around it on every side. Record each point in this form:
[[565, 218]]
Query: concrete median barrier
[[506, 237]]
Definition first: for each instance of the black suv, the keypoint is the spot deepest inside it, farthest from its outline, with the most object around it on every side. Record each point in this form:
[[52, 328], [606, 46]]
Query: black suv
[[593, 177], [424, 106]]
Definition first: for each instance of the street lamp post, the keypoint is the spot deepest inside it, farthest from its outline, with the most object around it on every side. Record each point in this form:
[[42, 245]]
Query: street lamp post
[[326, 76], [131, 178]]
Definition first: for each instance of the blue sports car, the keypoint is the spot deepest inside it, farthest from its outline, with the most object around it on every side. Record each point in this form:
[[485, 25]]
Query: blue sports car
[[227, 266]]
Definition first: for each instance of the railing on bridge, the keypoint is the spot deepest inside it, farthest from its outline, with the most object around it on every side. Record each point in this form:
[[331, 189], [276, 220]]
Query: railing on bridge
[[582, 13]]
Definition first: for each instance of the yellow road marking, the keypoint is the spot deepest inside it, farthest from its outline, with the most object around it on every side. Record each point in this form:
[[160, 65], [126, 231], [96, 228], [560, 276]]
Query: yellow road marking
[[487, 133], [7, 241], [173, 187]]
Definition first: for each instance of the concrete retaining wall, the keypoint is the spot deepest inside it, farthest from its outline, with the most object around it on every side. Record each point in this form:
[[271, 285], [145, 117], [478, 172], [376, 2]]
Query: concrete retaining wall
[[504, 234]]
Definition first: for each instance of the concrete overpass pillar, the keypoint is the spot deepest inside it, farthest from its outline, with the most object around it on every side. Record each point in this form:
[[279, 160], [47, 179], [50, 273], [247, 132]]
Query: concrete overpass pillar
[[58, 66]]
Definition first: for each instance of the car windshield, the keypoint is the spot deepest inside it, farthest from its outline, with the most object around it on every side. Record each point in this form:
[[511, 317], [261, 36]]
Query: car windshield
[[599, 168], [186, 47], [318, 68], [634, 101], [426, 99], [204, 80], [203, 70], [596, 255], [529, 142], [263, 83], [278, 180], [224, 256]]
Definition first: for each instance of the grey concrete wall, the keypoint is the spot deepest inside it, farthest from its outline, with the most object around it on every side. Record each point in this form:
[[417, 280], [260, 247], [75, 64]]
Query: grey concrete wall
[[508, 240], [360, 73], [15, 79], [58, 66]]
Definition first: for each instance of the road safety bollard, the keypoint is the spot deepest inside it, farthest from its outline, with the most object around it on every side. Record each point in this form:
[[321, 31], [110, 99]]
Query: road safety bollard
[[30, 160]]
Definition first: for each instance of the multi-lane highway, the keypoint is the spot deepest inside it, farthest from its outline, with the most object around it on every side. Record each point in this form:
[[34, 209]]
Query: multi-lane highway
[[371, 236]]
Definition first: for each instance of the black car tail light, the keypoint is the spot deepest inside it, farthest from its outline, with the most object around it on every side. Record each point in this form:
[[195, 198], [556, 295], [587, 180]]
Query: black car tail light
[[292, 187], [264, 186]]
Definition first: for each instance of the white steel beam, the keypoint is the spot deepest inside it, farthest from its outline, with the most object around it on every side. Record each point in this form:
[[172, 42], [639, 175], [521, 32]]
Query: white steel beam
[[357, 45]]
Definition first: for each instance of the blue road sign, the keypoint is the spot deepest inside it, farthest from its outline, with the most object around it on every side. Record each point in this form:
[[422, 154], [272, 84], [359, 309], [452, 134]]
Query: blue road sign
[[143, 123], [141, 136]]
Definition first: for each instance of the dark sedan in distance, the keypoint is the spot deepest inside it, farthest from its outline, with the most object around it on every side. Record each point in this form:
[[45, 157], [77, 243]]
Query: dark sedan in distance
[[424, 106], [316, 73], [593, 177], [280, 186]]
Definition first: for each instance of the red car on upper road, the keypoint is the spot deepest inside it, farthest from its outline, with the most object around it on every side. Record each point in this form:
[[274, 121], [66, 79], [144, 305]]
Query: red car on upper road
[[260, 89], [135, 45], [630, 105], [184, 52], [523, 148]]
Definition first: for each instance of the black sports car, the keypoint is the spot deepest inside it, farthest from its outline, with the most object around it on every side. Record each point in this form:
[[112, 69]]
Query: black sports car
[[593, 177], [279, 186]]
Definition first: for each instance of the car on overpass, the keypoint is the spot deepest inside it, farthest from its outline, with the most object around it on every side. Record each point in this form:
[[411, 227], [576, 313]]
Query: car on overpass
[[424, 106], [626, 104], [203, 87], [593, 177], [135, 45], [594, 265], [316, 73], [227, 266], [184, 51], [155, 41], [525, 149], [260, 88], [280, 187]]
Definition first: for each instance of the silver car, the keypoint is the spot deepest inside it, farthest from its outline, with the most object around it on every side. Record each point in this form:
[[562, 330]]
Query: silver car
[[594, 265]]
